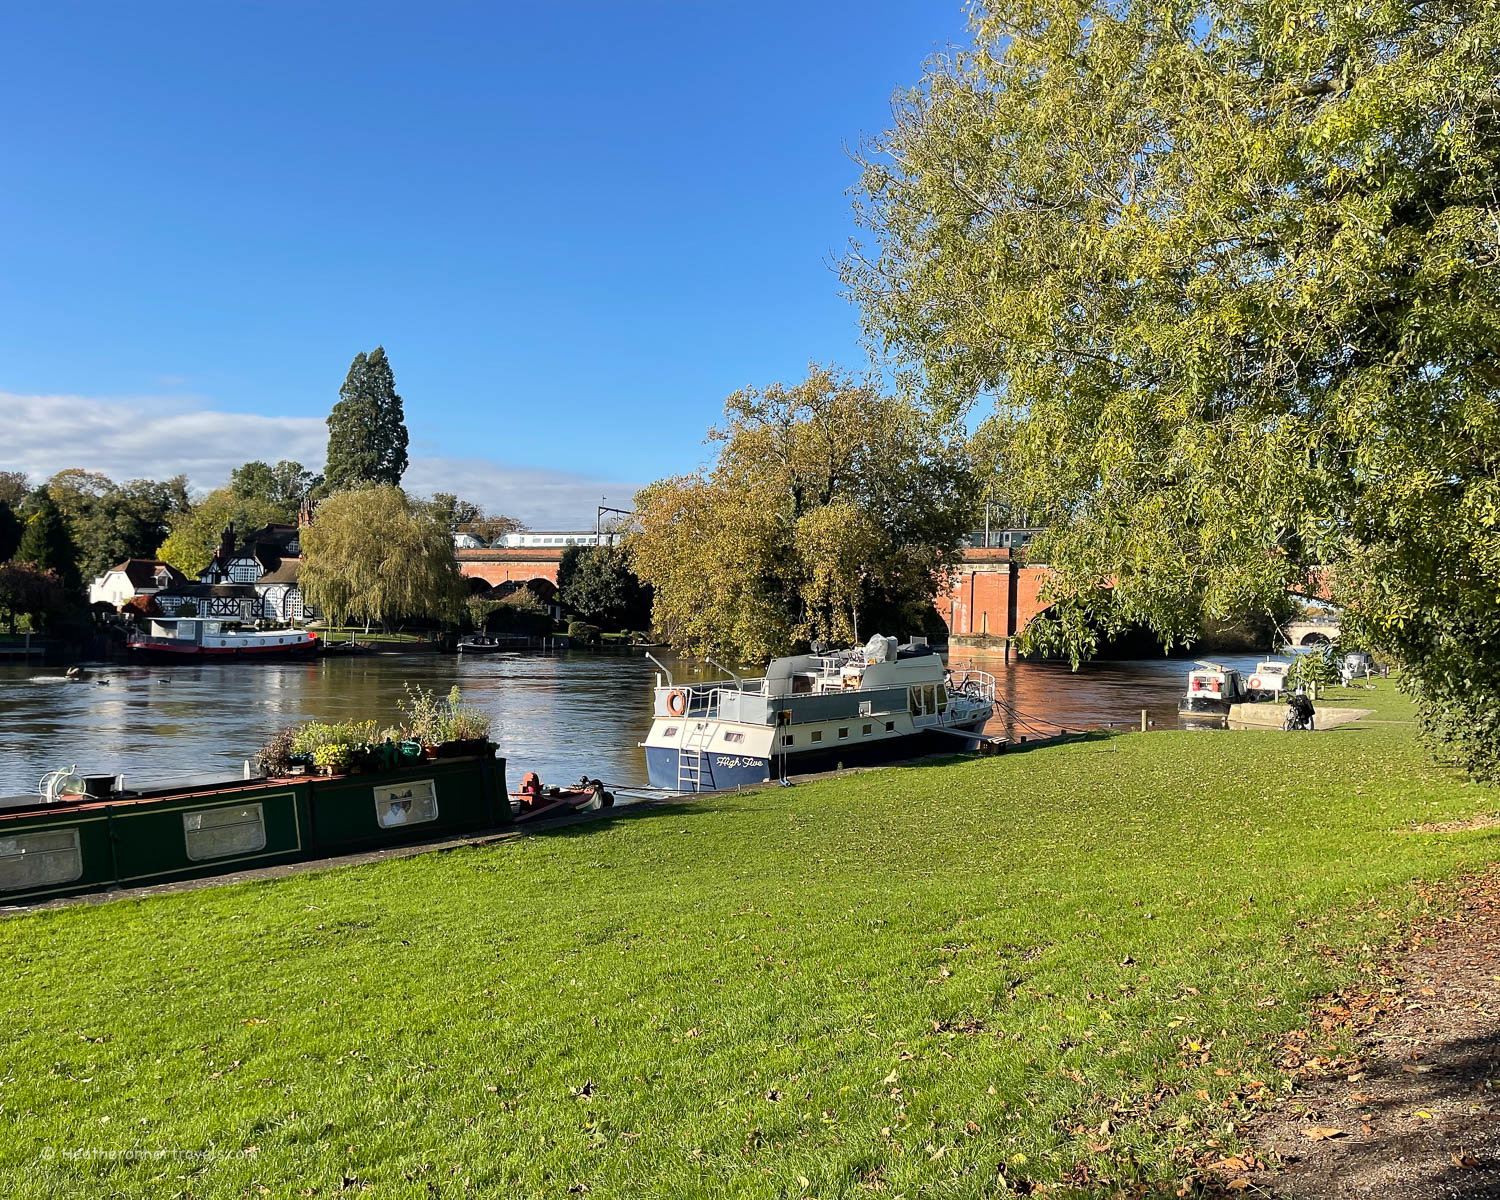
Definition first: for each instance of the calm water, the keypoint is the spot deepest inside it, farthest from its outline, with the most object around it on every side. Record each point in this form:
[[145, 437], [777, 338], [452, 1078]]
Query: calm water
[[560, 715]]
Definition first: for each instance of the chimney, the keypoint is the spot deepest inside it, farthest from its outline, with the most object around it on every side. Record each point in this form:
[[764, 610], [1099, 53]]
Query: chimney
[[305, 513], [226, 542]]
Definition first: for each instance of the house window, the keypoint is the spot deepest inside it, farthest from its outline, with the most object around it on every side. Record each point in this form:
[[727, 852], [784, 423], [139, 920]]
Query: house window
[[220, 832], [843, 732], [817, 735], [33, 860], [731, 735], [865, 731], [405, 804]]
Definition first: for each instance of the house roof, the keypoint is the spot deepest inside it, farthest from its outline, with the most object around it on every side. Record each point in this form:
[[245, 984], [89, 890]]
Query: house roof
[[142, 572], [286, 571]]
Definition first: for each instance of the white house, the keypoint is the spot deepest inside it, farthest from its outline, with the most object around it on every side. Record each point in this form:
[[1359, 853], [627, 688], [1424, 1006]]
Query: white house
[[254, 581], [131, 578]]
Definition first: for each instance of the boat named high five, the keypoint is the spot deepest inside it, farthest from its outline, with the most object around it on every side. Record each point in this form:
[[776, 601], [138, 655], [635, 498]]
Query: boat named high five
[[813, 712]]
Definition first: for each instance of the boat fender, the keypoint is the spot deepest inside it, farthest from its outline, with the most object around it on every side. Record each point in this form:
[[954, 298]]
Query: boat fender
[[676, 702]]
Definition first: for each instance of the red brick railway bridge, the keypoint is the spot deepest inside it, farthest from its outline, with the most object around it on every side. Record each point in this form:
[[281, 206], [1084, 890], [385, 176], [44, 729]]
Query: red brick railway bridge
[[992, 596]]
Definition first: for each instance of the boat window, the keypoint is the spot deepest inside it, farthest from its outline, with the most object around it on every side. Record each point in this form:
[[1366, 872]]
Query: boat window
[[929, 700], [788, 740], [817, 735], [405, 804], [219, 832], [669, 731], [33, 860], [890, 727], [942, 698], [865, 732], [844, 731], [914, 700], [731, 735]]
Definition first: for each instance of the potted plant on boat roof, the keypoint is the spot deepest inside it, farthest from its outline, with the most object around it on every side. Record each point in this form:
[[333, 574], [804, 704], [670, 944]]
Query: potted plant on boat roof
[[276, 756], [333, 757]]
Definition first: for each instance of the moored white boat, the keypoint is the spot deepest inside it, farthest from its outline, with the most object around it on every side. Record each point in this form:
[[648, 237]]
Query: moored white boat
[[1211, 689], [1268, 681], [812, 712], [188, 639]]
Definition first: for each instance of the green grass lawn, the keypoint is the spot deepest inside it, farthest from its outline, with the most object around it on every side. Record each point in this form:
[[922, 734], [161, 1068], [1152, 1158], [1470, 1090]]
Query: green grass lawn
[[903, 982]]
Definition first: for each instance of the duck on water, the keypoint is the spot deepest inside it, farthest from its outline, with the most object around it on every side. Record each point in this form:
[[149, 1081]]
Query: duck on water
[[812, 712]]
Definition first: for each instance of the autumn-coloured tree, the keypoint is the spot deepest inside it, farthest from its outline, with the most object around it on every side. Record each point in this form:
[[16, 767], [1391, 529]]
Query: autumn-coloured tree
[[830, 509]]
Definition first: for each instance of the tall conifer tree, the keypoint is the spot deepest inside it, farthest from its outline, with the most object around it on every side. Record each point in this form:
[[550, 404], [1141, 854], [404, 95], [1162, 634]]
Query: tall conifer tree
[[367, 428], [47, 544]]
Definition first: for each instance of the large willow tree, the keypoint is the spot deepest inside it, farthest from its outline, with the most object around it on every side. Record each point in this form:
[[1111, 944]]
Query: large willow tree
[[829, 510], [1229, 271], [371, 554]]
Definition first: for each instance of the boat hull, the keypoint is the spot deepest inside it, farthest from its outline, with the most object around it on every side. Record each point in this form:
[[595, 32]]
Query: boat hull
[[162, 652], [721, 771], [1203, 706]]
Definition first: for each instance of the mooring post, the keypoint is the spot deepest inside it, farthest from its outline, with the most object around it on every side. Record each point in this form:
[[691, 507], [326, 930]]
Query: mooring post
[[1143, 720]]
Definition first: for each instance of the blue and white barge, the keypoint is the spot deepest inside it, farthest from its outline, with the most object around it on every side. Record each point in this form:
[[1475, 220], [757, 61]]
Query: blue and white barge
[[814, 712]]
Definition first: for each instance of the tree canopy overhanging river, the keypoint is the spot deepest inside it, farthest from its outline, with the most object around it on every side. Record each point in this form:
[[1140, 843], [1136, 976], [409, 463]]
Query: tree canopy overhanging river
[[561, 715]]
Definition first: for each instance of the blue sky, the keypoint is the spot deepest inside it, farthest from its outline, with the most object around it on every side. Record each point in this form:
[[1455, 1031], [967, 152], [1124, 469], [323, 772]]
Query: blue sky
[[575, 228]]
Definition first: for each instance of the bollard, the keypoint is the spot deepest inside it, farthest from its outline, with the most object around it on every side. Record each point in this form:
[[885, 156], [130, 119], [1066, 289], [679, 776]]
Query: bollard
[[1143, 720]]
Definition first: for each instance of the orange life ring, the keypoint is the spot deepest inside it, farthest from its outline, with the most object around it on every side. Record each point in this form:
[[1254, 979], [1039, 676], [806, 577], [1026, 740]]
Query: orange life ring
[[676, 702], [1255, 682]]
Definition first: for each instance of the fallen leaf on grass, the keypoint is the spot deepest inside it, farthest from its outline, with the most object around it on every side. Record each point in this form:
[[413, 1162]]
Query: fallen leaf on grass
[[1426, 1116], [1238, 1185], [1235, 1163], [1467, 1161], [1322, 1133], [1415, 1068]]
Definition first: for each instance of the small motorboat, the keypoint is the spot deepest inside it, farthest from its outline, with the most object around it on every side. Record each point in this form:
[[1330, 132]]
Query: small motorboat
[[1269, 680], [535, 799], [483, 643], [1211, 689]]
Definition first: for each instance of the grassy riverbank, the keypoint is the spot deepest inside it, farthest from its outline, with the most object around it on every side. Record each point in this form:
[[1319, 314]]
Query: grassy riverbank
[[1071, 962]]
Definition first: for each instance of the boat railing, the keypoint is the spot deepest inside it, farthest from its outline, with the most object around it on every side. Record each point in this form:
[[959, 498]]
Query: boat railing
[[710, 699], [978, 685]]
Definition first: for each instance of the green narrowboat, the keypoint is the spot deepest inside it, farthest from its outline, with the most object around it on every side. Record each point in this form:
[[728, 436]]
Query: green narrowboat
[[109, 838]]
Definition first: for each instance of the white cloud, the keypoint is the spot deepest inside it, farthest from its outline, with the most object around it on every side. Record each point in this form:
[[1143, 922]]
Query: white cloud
[[158, 437]]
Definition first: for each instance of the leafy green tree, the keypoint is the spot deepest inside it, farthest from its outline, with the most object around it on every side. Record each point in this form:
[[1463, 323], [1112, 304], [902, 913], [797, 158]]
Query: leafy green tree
[[744, 561], [1229, 270], [111, 522], [367, 428], [374, 555], [599, 583], [26, 590], [14, 488], [10, 532], [195, 532], [464, 516], [282, 486], [47, 544]]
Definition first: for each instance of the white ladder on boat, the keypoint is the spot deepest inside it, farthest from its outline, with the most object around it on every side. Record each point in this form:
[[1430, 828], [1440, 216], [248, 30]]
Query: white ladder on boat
[[690, 757]]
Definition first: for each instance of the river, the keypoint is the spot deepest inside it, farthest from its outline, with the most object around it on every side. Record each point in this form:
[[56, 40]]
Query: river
[[560, 715]]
